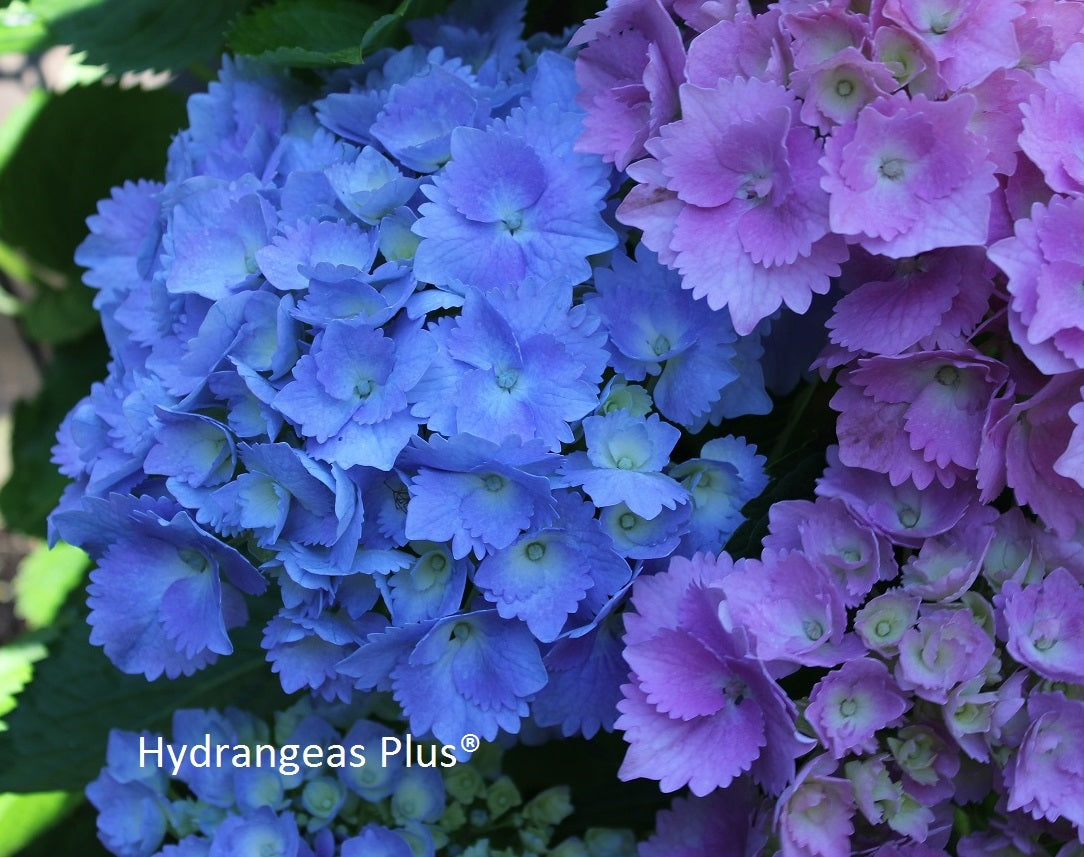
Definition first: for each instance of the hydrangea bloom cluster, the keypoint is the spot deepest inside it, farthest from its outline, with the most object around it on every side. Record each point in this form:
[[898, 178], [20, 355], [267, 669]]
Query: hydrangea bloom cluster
[[380, 359], [905, 651], [321, 781]]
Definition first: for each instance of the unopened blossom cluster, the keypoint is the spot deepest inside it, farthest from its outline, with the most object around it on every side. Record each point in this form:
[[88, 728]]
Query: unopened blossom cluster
[[382, 369], [901, 669], [320, 781]]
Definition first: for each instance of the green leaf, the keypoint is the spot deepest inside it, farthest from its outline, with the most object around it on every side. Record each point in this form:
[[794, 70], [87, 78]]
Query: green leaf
[[24, 817], [137, 35], [77, 835], [45, 578], [384, 30], [77, 147], [16, 669], [792, 477], [18, 119], [57, 734], [35, 486], [59, 314], [305, 32], [21, 31]]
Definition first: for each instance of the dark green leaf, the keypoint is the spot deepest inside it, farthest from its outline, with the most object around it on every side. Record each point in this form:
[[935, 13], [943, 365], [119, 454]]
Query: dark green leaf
[[18, 119], [794, 435], [137, 35], [34, 486], [385, 29], [792, 477], [59, 314], [556, 17], [57, 734], [77, 147], [304, 32]]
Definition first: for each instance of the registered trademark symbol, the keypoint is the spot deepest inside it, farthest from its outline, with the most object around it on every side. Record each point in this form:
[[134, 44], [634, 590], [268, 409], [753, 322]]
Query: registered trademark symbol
[[469, 742]]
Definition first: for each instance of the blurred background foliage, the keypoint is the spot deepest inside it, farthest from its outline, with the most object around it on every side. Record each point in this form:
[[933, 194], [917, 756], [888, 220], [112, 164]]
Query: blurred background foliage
[[93, 91]]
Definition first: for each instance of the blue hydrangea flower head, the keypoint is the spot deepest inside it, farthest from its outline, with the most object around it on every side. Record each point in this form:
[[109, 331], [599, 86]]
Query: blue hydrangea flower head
[[235, 125], [514, 201], [477, 494], [497, 375], [316, 249], [416, 125], [727, 475], [624, 461], [260, 832], [158, 600], [470, 673], [352, 392], [657, 328]]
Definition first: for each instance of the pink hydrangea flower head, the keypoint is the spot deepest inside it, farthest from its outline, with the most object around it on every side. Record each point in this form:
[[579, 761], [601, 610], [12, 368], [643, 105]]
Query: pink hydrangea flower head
[[673, 723], [1035, 434], [943, 399], [929, 761], [910, 60], [849, 705], [946, 648], [814, 815], [753, 232], [791, 609], [871, 436], [850, 551], [1046, 30], [883, 621], [947, 565], [882, 799], [1071, 462], [1054, 122], [906, 514], [650, 207], [628, 73], [702, 14], [898, 303], [975, 716], [835, 91], [970, 38], [1045, 625], [1044, 261], [908, 176], [822, 31], [1044, 777], [746, 46], [1014, 552], [727, 821], [998, 117]]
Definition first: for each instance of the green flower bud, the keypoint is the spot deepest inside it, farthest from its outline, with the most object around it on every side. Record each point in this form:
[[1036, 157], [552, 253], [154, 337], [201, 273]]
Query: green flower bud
[[627, 397], [463, 783], [533, 841], [610, 842], [883, 621], [502, 796], [286, 722], [571, 847], [454, 817], [549, 808], [486, 760], [478, 849], [322, 797]]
